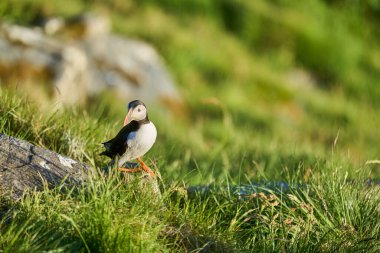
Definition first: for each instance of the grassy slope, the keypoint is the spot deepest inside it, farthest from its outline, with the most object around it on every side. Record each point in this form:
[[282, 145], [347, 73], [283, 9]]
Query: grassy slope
[[107, 215], [248, 122]]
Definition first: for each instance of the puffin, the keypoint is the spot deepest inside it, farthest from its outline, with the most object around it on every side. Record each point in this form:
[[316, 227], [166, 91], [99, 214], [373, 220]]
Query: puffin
[[134, 140]]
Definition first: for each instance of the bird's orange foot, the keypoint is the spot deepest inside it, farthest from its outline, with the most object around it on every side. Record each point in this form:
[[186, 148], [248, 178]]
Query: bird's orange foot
[[129, 170], [146, 168]]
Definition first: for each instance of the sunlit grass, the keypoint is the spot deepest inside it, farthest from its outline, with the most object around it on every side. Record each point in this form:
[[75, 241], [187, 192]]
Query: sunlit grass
[[110, 214], [282, 91], [327, 207]]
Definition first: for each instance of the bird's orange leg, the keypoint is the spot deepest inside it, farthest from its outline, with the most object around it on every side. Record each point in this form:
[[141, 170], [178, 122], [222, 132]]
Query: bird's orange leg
[[129, 170], [145, 167]]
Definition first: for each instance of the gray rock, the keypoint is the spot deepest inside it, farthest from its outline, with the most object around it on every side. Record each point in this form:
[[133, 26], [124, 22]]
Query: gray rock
[[130, 67], [25, 167], [83, 59]]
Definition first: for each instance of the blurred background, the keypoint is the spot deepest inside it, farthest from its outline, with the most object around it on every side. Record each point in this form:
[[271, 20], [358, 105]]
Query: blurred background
[[240, 90]]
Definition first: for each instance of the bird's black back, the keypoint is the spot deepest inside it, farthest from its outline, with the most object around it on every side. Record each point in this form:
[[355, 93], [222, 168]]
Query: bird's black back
[[118, 145]]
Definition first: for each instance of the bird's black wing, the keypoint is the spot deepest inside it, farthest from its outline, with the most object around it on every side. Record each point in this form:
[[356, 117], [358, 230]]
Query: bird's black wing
[[118, 145]]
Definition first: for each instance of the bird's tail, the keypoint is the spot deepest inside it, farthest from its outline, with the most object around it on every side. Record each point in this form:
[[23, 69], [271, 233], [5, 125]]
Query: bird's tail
[[106, 152], [107, 146]]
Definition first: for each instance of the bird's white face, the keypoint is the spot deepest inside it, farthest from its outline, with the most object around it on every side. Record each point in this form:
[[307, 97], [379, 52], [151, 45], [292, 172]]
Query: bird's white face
[[137, 113]]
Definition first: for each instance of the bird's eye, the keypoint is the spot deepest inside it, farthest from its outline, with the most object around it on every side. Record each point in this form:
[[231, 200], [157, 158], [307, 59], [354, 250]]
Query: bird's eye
[[139, 110]]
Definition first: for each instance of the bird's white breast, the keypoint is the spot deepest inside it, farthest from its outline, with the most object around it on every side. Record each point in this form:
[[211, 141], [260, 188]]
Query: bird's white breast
[[143, 140], [145, 137]]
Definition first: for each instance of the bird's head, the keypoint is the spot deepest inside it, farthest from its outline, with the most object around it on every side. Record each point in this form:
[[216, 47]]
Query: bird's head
[[136, 111]]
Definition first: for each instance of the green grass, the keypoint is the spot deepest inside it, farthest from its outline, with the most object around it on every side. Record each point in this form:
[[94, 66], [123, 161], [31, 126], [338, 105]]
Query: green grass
[[273, 90], [330, 212]]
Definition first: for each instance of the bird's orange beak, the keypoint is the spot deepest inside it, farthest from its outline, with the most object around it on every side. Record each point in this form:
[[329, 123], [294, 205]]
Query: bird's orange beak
[[127, 118]]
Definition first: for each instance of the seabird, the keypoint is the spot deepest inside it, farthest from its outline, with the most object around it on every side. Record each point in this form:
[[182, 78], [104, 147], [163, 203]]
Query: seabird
[[135, 139]]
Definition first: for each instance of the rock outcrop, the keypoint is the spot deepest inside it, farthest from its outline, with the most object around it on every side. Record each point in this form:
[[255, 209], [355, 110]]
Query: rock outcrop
[[80, 58], [25, 167]]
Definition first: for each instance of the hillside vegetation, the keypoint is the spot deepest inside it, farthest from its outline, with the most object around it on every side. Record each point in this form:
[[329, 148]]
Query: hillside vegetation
[[274, 91]]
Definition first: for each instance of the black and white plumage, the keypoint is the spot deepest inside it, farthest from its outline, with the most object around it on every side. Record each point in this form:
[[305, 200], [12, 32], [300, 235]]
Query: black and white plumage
[[134, 139]]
